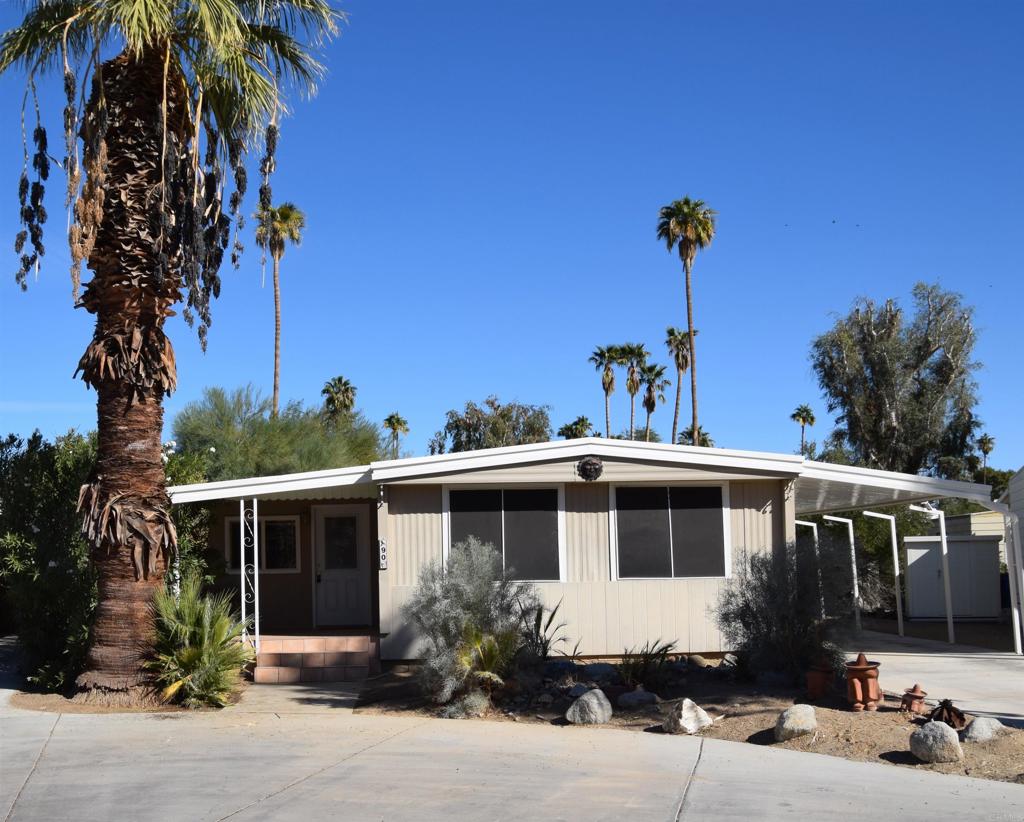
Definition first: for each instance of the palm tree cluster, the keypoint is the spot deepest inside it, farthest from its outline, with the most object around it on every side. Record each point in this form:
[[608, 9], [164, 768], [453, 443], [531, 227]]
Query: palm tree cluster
[[641, 374]]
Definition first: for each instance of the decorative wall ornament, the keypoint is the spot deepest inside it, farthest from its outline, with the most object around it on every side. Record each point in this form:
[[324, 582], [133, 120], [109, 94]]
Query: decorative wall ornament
[[589, 469]]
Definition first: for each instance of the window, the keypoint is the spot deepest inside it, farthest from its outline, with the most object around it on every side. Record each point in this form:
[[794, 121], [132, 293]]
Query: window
[[522, 524], [670, 532], [279, 544]]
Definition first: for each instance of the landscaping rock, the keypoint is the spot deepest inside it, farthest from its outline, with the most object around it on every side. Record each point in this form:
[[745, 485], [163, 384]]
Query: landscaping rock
[[593, 708], [729, 661], [983, 729], [557, 668], [577, 690], [686, 717], [636, 699], [796, 721], [936, 742], [601, 672], [697, 661], [545, 699]]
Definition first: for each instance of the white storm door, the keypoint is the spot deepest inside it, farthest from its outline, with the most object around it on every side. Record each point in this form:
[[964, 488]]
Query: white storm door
[[342, 536]]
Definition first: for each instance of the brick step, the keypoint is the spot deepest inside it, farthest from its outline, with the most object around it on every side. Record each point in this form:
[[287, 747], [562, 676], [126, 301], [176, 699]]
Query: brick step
[[285, 659]]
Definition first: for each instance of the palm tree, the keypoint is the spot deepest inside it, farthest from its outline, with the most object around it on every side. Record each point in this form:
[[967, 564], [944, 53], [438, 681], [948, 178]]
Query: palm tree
[[704, 440], [178, 91], [689, 226], [397, 425], [577, 429], [605, 358], [986, 443], [339, 398], [274, 228], [634, 357], [678, 343], [805, 416], [653, 378]]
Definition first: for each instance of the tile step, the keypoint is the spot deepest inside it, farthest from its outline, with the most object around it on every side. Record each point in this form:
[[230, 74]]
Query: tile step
[[275, 675]]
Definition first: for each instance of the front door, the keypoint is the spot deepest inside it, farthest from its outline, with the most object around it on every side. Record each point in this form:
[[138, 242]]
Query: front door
[[342, 548]]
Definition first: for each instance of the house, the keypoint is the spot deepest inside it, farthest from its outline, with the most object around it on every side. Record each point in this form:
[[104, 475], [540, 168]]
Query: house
[[635, 540], [977, 524]]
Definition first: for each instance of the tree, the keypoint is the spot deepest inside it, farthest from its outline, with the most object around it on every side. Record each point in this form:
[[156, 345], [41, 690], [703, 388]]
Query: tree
[[688, 226], [492, 425], [339, 398], [678, 343], [653, 378], [634, 357], [397, 425], [704, 440], [639, 436], [605, 358], [986, 443], [903, 386], [577, 429], [167, 118], [804, 415], [274, 228]]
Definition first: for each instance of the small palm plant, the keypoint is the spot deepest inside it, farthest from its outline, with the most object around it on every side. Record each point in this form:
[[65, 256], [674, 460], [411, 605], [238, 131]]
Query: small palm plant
[[487, 658], [199, 651]]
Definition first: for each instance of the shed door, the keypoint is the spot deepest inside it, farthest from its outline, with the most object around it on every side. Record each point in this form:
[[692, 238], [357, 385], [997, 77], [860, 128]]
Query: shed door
[[342, 570]]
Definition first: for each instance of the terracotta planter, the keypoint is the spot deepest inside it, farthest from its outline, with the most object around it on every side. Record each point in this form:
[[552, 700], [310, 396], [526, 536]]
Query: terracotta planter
[[819, 681], [913, 700], [862, 688]]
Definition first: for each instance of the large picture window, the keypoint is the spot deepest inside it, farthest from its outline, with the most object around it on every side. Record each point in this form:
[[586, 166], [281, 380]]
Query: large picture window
[[666, 532], [522, 524], [279, 544]]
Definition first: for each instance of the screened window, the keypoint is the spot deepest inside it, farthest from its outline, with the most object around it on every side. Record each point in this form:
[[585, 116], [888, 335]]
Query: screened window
[[279, 544], [666, 532], [522, 524]]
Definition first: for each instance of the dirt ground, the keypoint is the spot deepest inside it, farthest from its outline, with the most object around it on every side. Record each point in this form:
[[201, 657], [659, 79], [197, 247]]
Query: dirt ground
[[745, 713]]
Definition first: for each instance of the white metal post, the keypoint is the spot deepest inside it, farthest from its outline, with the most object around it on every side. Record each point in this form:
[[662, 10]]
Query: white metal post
[[1014, 566], [853, 567], [817, 561], [256, 573], [895, 565], [944, 545], [241, 560]]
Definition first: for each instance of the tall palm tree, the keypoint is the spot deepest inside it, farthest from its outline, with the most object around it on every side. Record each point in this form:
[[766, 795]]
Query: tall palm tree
[[803, 415], [397, 425], [634, 357], [274, 228], [678, 343], [605, 358], [688, 226], [339, 398], [986, 443], [177, 93], [703, 440], [577, 429], [653, 378]]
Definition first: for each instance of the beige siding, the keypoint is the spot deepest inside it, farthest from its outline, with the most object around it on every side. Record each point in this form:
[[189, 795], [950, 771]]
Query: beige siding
[[586, 532], [978, 524]]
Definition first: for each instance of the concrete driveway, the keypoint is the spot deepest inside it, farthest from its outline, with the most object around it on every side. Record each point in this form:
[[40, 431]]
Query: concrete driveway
[[978, 680], [304, 755]]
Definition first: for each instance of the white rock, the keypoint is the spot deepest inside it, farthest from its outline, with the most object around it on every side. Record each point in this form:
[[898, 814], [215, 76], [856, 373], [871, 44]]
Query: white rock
[[686, 717], [936, 742], [593, 708], [799, 720], [983, 729]]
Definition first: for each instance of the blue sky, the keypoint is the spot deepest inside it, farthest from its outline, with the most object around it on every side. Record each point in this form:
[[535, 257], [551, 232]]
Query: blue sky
[[482, 183]]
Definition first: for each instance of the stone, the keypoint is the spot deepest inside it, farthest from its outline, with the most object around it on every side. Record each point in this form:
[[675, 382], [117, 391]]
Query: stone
[[729, 661], [799, 720], [697, 661], [593, 708], [577, 690], [936, 742], [557, 668], [636, 699], [686, 717], [545, 699], [983, 729], [601, 672]]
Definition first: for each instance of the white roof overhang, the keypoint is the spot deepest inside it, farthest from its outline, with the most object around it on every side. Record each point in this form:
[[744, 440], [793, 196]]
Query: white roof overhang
[[284, 486]]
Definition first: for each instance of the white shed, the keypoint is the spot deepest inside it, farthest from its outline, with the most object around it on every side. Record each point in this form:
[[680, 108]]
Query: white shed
[[973, 576]]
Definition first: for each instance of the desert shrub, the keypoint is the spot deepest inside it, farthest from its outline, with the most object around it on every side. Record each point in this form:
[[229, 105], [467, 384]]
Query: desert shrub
[[647, 665], [767, 616], [487, 658], [472, 703], [541, 635], [468, 597], [198, 653], [45, 576]]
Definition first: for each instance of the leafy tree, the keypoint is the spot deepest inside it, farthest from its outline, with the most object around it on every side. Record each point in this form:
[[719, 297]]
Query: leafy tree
[[688, 226], [903, 386], [634, 357], [275, 227], [577, 429], [492, 425], [678, 343], [804, 416], [986, 442], [178, 92], [638, 435], [191, 520], [339, 398], [242, 439], [653, 378], [605, 358], [704, 440], [397, 425]]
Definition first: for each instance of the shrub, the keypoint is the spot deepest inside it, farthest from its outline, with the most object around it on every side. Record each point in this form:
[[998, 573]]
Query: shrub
[[647, 665], [471, 596], [541, 635], [198, 652]]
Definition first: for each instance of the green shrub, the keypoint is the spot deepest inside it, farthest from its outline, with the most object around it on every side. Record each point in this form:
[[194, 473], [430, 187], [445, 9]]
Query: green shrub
[[646, 665], [540, 635], [487, 658], [198, 654]]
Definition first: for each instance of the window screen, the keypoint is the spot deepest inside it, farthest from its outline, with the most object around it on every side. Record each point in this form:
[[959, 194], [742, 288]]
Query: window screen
[[643, 522], [475, 514], [280, 552], [340, 543], [531, 533], [698, 537]]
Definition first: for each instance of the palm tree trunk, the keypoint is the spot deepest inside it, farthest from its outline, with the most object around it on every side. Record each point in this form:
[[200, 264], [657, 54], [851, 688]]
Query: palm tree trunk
[[607, 415], [277, 335], [802, 440], [679, 395], [647, 431], [693, 352], [632, 415]]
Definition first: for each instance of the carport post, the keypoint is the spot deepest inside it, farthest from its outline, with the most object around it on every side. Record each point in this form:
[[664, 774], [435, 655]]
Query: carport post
[[895, 565], [817, 560], [941, 516], [853, 567]]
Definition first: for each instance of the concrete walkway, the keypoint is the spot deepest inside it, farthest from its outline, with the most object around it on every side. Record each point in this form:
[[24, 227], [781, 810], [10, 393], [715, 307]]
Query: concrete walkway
[[261, 761], [978, 680]]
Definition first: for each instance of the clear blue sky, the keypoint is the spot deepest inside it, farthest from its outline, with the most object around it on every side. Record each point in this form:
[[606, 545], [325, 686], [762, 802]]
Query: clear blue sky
[[482, 182]]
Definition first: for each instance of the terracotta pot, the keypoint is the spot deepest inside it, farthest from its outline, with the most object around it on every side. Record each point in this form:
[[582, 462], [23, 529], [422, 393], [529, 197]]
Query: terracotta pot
[[819, 681], [913, 700], [862, 688]]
